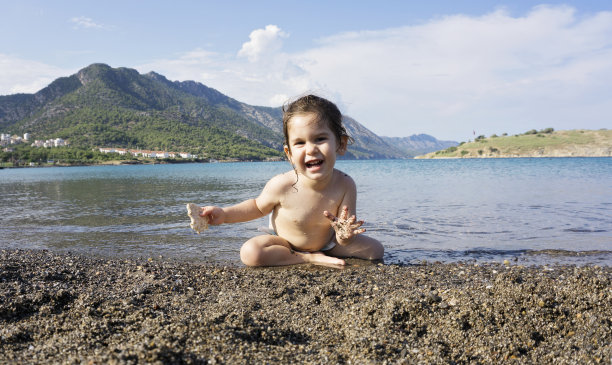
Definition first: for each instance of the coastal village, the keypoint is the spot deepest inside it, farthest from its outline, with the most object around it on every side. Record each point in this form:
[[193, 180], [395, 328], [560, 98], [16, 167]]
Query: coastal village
[[147, 153], [7, 140]]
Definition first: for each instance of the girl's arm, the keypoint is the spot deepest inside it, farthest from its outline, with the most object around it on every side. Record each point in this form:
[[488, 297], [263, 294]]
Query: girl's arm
[[241, 212], [248, 209]]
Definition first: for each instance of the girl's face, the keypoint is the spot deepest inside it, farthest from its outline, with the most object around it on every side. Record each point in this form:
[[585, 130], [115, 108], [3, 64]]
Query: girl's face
[[312, 146]]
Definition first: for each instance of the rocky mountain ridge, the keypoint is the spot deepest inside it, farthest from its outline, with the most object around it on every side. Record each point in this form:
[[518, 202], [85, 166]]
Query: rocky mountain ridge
[[418, 144], [104, 106]]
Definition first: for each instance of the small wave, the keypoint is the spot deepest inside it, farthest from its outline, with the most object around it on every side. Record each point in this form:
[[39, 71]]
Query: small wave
[[567, 253], [528, 238], [475, 253], [491, 252], [536, 207], [405, 227], [520, 256], [584, 230]]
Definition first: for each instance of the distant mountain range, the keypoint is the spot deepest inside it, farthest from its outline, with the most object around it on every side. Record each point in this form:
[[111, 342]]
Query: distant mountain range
[[418, 144], [119, 107]]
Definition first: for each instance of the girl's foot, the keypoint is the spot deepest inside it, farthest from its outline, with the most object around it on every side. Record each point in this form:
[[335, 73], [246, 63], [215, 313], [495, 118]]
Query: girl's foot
[[319, 258]]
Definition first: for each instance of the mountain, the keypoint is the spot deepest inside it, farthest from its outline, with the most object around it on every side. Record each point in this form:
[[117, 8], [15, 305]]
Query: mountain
[[119, 107], [102, 106], [418, 144], [367, 144]]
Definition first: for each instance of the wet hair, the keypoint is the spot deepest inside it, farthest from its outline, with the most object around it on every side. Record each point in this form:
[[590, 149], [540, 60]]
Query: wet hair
[[324, 110]]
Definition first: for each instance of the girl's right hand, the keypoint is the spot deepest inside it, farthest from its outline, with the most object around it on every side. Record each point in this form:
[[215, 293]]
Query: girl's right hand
[[216, 215], [346, 227]]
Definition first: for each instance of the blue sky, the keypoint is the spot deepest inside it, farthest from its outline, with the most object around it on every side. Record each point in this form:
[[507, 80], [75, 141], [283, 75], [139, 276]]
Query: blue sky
[[445, 68]]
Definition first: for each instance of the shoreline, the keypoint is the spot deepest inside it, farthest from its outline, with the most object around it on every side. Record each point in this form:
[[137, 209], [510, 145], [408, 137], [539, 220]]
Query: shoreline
[[134, 163], [424, 157], [421, 157], [60, 307]]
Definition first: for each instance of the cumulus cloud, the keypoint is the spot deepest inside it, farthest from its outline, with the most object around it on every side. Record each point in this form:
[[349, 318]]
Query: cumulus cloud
[[262, 42], [493, 73], [199, 65], [19, 75], [81, 22], [278, 99], [463, 73], [260, 73]]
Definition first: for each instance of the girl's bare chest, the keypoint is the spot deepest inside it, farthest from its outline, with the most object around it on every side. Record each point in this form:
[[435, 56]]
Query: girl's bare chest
[[310, 205]]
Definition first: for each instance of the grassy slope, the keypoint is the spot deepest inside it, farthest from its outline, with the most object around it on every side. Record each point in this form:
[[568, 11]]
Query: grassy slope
[[556, 144]]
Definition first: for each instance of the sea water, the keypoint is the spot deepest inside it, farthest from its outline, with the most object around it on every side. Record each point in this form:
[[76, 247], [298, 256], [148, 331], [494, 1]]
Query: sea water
[[544, 210]]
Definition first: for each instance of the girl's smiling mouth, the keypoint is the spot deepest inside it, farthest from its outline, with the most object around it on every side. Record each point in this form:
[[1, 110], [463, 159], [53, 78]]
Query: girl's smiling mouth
[[313, 163]]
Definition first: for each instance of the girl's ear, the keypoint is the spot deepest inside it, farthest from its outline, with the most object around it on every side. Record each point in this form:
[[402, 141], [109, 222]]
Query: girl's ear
[[343, 145], [287, 152]]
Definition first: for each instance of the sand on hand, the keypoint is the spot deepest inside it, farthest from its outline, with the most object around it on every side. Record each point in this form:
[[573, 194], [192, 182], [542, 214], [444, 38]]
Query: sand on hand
[[198, 223]]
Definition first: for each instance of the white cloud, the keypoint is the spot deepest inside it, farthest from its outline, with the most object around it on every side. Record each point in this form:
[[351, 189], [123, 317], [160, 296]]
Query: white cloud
[[263, 42], [278, 99], [493, 73], [198, 64], [267, 82], [85, 22], [18, 75]]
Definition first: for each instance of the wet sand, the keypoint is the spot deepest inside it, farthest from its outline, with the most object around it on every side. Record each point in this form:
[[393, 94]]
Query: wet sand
[[63, 308]]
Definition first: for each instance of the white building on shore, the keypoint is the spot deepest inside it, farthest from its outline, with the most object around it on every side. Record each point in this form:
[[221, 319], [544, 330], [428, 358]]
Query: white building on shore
[[57, 142], [7, 139], [146, 153]]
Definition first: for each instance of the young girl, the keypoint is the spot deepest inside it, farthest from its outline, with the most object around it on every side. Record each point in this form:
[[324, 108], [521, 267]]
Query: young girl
[[312, 206]]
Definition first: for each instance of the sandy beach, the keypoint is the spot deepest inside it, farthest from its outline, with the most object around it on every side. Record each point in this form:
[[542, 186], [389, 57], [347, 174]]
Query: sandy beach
[[64, 308]]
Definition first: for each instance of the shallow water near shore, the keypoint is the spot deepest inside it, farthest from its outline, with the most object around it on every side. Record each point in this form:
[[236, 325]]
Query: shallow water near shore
[[534, 211]]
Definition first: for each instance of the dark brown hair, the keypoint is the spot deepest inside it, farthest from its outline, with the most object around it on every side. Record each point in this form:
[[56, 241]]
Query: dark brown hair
[[324, 110]]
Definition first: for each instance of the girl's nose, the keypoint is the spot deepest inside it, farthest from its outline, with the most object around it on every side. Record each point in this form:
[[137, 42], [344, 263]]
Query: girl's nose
[[311, 148]]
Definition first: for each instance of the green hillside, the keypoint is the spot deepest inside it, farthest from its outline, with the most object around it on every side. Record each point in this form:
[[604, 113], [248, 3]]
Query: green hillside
[[544, 143], [102, 106]]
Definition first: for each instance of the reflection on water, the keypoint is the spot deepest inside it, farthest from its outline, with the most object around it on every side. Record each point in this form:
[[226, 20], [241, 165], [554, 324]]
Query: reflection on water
[[421, 210]]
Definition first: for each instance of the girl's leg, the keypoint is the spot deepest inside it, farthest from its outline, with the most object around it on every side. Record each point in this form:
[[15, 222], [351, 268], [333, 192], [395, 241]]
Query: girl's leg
[[363, 247], [268, 250]]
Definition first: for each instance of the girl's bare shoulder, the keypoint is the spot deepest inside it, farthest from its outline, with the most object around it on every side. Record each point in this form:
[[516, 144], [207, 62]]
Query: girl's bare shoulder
[[282, 182], [343, 178]]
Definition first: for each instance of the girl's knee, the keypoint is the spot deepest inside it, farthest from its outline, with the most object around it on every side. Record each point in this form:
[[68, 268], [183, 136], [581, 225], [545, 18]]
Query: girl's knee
[[253, 251], [250, 253], [365, 248], [377, 251], [372, 249]]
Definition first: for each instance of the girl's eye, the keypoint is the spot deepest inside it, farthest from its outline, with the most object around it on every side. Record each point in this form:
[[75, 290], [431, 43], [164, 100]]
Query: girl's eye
[[321, 139]]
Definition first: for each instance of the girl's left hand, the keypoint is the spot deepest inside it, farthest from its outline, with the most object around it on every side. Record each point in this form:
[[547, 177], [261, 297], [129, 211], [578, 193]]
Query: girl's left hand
[[346, 227]]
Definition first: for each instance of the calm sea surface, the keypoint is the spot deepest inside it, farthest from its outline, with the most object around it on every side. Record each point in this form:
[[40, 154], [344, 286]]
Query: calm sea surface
[[530, 210]]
